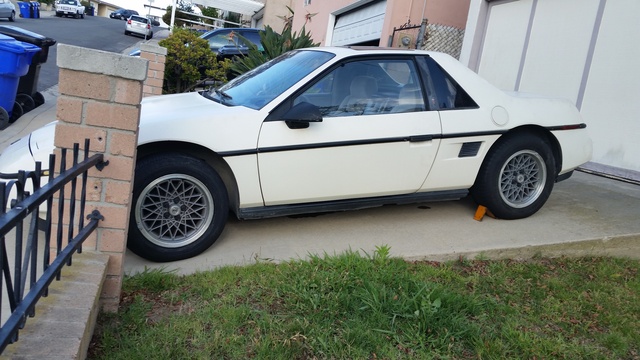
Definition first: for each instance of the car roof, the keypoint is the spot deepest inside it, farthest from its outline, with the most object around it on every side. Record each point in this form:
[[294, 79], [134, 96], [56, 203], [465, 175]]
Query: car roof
[[230, 29]]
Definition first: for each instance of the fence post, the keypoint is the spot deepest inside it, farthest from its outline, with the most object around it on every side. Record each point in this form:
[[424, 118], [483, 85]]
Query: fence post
[[100, 94]]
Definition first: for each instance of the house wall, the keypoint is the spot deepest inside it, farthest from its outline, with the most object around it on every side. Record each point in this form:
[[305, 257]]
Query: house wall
[[588, 56], [272, 12], [445, 12]]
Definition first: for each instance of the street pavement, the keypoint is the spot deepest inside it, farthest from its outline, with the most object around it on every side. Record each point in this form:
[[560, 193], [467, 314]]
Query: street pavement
[[586, 215]]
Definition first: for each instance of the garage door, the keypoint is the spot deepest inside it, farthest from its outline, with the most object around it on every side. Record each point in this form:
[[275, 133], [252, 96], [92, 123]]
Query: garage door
[[359, 25], [588, 56]]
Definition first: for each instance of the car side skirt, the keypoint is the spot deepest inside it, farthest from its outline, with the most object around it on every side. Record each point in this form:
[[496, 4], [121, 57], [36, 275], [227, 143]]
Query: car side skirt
[[346, 205]]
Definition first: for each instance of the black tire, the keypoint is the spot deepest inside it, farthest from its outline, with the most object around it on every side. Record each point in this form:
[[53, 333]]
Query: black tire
[[164, 225], [12, 18], [38, 98], [126, 32], [4, 119], [16, 112], [516, 178], [26, 102]]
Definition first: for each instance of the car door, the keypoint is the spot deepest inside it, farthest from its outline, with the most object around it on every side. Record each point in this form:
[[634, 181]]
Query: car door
[[377, 136]]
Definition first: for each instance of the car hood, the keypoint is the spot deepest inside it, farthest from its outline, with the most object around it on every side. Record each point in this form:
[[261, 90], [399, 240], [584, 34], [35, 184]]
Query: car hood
[[187, 117], [190, 117], [23, 153], [161, 104]]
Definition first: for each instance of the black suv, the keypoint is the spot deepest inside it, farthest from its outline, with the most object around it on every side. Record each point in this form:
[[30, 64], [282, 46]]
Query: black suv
[[122, 14]]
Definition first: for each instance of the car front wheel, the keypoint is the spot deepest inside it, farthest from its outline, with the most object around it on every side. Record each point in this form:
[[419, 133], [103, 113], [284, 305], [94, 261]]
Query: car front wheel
[[516, 178], [12, 18], [180, 207]]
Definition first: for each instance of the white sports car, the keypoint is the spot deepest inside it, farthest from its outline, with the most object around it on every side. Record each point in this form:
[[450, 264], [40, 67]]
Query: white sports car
[[329, 129]]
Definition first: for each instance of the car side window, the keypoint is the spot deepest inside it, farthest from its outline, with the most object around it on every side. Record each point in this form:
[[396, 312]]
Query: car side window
[[253, 37], [367, 87], [221, 39], [448, 94]]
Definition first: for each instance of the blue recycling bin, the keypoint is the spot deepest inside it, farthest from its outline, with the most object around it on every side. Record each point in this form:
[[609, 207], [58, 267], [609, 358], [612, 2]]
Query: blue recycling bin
[[26, 10], [36, 9], [15, 58]]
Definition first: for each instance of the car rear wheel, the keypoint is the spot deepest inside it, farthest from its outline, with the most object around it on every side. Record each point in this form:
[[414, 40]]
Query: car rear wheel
[[516, 178], [180, 207], [12, 18]]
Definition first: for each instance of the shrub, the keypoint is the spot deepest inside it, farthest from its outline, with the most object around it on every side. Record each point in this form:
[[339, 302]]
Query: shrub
[[189, 60]]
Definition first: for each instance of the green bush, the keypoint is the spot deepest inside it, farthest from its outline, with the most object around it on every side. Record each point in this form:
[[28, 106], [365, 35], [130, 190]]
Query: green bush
[[189, 60]]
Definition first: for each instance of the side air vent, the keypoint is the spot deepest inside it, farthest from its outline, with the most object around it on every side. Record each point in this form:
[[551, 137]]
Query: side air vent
[[469, 149]]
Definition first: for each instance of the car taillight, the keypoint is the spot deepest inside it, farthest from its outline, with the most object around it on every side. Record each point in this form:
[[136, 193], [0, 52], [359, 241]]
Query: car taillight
[[129, 21], [148, 26]]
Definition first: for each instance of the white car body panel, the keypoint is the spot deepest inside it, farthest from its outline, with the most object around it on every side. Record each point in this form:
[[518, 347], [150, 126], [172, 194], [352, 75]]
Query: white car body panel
[[342, 172], [192, 118]]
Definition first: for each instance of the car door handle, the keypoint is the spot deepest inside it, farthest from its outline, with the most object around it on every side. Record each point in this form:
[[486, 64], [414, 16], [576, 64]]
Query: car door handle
[[420, 138]]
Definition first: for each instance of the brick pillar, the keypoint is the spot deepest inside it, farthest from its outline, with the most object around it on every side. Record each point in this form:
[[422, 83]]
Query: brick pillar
[[157, 56], [100, 94]]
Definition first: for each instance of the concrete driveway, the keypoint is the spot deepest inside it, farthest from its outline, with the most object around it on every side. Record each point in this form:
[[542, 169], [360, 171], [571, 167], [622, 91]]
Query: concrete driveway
[[586, 214]]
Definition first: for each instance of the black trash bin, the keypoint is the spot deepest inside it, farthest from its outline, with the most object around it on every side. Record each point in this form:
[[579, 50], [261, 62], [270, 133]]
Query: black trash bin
[[28, 96]]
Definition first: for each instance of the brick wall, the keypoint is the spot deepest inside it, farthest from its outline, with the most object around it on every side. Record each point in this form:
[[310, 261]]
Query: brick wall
[[157, 56], [100, 94]]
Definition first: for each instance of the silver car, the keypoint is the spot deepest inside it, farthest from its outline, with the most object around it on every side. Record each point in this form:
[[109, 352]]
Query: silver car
[[139, 25], [7, 10]]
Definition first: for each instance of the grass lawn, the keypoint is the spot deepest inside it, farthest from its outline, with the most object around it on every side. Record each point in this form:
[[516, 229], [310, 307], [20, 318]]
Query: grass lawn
[[371, 306]]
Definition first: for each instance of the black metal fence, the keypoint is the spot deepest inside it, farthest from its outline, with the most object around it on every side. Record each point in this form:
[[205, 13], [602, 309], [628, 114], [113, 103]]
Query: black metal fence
[[26, 197]]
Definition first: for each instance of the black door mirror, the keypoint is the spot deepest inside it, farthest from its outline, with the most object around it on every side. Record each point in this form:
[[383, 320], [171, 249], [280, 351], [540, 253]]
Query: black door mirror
[[299, 116]]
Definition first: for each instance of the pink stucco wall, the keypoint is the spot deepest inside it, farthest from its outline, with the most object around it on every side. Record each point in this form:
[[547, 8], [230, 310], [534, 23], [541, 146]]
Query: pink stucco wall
[[445, 12]]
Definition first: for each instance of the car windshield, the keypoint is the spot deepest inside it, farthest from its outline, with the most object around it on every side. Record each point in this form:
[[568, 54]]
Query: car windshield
[[261, 85]]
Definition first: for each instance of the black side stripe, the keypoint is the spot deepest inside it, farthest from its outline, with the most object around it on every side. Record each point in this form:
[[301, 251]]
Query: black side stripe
[[412, 138]]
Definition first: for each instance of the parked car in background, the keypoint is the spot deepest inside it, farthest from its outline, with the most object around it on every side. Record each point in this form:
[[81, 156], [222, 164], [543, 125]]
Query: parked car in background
[[155, 20], [226, 43], [69, 8], [122, 14], [7, 10], [229, 42], [331, 129], [139, 25]]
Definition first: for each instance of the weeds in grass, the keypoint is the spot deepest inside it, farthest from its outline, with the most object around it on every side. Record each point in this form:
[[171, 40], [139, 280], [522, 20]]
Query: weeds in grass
[[359, 305]]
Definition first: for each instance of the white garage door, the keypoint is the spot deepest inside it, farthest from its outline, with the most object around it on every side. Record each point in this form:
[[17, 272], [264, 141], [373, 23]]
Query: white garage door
[[359, 25], [588, 56]]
